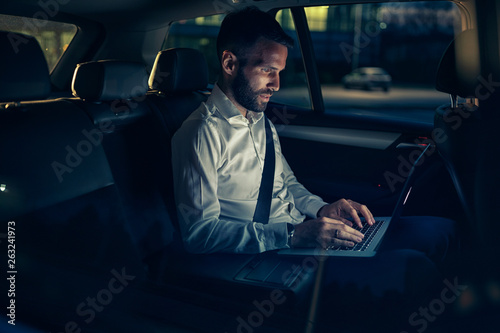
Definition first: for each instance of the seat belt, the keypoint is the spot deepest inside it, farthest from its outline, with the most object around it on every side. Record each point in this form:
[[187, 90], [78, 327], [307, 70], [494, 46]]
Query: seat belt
[[263, 208]]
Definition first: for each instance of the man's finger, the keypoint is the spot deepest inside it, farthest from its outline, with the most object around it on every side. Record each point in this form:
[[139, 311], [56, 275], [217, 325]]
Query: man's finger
[[345, 221], [364, 211], [348, 233], [354, 214], [342, 242], [338, 224], [366, 214]]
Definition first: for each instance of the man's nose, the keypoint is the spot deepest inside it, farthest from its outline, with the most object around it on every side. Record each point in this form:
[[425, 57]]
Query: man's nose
[[274, 82]]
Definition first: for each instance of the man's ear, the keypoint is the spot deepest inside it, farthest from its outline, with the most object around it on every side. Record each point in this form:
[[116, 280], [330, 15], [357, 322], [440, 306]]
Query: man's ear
[[229, 63]]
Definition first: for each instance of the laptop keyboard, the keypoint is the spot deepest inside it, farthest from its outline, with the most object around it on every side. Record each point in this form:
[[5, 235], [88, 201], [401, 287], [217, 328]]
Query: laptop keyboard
[[368, 230]]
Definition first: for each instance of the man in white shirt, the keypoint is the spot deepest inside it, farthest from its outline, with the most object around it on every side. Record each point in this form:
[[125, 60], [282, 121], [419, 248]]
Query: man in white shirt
[[218, 160], [218, 157]]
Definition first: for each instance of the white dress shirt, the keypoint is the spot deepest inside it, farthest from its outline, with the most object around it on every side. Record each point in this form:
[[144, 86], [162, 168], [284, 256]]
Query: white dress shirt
[[218, 157]]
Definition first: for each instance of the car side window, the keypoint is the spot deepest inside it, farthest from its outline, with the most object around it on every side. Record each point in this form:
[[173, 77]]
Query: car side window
[[53, 37], [382, 55]]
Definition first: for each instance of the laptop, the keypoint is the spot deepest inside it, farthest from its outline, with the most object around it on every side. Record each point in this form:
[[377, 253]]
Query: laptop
[[374, 233]]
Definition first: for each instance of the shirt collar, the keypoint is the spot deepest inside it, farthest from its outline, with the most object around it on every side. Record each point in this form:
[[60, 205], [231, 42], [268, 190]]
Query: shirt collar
[[219, 101]]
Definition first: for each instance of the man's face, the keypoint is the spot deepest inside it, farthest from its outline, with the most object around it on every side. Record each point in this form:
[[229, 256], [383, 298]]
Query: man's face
[[258, 78]]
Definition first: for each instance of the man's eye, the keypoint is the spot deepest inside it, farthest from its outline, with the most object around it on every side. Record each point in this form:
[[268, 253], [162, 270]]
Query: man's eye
[[266, 70]]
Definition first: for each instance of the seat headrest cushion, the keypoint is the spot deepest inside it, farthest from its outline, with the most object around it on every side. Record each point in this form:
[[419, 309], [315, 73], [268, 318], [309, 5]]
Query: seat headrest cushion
[[24, 74], [459, 69], [108, 80], [179, 70]]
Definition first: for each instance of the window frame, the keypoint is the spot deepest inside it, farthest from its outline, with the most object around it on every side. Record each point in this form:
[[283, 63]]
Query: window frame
[[308, 58]]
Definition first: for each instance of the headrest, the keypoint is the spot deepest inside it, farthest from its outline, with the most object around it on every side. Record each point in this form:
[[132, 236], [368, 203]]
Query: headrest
[[179, 70], [24, 74], [459, 69], [108, 80]]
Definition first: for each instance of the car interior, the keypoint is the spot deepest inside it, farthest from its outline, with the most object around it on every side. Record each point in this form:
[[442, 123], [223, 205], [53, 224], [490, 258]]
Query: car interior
[[91, 93]]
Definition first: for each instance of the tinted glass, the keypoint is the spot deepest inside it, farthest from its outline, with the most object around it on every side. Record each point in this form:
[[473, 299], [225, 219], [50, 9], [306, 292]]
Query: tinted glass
[[404, 40], [53, 37]]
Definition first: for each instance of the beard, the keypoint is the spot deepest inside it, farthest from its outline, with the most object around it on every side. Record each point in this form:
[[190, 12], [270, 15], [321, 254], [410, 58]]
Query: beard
[[245, 95]]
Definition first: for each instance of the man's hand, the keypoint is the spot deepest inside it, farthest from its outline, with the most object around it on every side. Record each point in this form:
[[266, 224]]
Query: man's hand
[[344, 209], [325, 232]]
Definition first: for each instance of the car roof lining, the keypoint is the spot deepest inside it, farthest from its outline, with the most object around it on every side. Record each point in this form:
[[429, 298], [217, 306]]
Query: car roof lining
[[155, 15], [122, 32]]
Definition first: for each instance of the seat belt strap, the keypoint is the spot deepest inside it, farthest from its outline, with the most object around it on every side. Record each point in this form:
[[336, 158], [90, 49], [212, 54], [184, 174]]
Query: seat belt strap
[[263, 208]]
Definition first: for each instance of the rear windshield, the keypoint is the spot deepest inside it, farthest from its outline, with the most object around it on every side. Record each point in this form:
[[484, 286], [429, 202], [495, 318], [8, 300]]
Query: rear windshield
[[53, 37]]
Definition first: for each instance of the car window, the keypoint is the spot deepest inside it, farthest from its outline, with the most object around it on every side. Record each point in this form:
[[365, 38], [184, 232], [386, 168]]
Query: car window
[[201, 34], [53, 37], [384, 55]]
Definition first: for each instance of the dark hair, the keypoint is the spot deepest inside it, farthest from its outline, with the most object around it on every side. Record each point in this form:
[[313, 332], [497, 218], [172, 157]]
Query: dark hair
[[241, 29]]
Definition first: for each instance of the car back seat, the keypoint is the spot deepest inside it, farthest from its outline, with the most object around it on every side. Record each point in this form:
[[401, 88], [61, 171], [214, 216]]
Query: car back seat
[[177, 83], [58, 192], [113, 93], [138, 144]]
